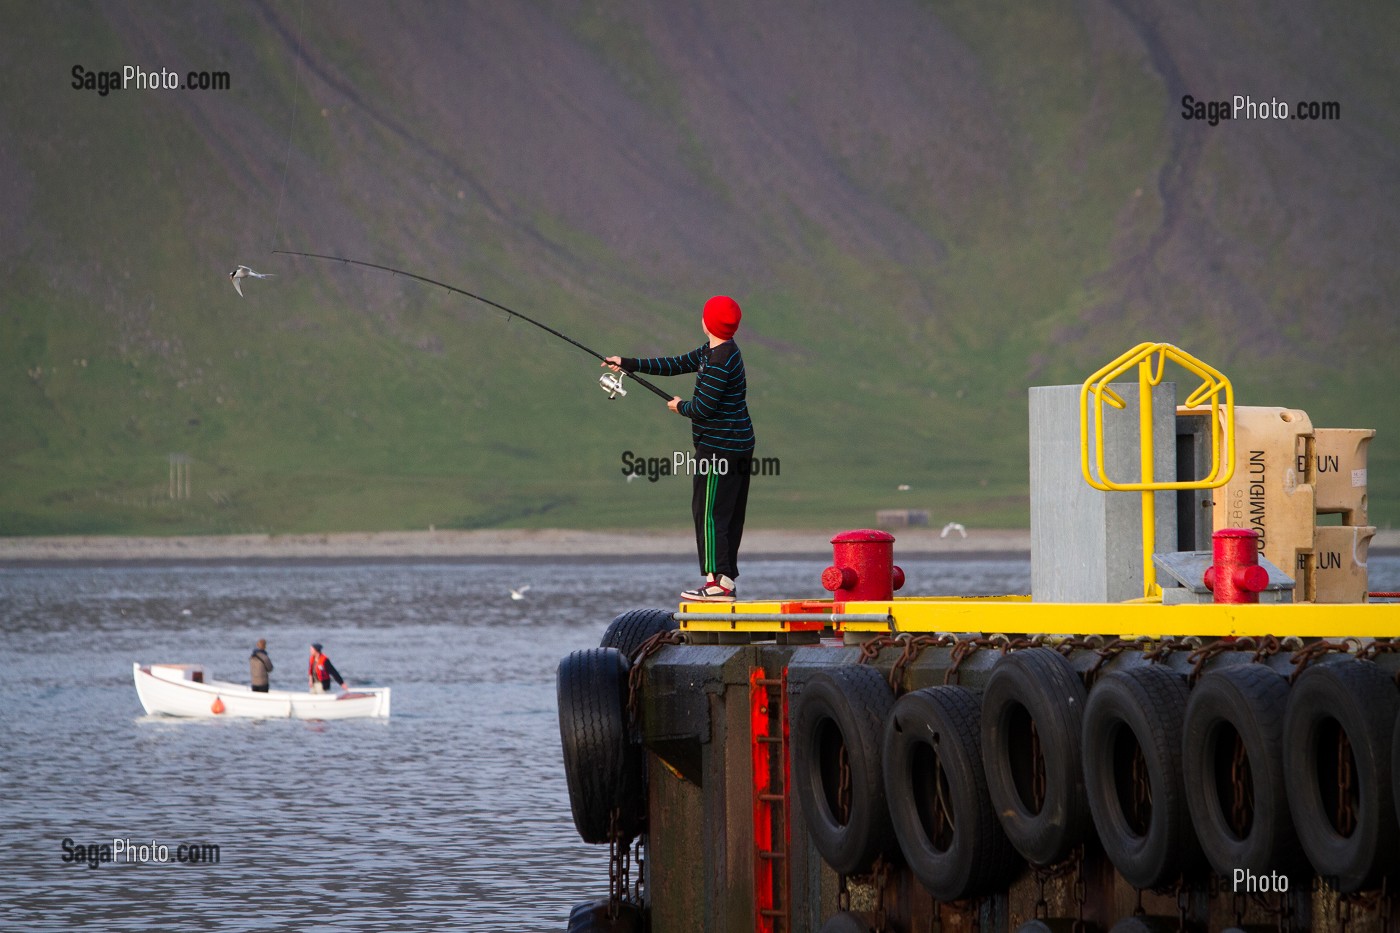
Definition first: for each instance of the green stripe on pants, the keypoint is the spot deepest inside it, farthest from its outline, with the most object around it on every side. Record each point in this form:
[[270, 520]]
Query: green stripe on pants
[[711, 487]]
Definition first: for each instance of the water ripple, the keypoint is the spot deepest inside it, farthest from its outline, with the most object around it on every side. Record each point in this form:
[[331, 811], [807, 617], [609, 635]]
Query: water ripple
[[453, 814]]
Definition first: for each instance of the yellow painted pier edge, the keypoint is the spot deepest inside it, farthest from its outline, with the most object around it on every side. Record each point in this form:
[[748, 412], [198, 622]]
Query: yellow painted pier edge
[[1019, 615]]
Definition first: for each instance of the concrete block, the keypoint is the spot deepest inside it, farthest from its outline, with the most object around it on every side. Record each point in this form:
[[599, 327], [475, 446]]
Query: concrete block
[[1086, 544]]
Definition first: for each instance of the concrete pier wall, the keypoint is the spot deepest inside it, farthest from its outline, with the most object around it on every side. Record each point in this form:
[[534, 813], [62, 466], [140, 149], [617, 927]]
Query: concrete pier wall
[[700, 868]]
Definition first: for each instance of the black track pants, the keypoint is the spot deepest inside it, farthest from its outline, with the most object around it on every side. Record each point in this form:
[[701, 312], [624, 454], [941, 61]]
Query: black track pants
[[719, 498]]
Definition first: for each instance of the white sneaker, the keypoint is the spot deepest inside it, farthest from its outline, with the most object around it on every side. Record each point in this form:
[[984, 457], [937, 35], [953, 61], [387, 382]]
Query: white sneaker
[[720, 589]]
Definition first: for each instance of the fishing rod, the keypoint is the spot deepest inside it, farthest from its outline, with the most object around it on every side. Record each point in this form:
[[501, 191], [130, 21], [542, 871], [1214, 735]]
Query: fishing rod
[[610, 382]]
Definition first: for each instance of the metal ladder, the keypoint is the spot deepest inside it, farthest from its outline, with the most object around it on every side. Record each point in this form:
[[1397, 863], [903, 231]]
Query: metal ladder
[[768, 744]]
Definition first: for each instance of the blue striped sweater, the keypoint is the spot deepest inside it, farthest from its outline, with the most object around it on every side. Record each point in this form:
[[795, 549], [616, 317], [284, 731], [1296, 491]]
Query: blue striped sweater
[[719, 411]]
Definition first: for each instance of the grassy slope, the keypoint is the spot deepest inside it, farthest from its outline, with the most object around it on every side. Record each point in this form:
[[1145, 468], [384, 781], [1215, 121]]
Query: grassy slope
[[334, 399]]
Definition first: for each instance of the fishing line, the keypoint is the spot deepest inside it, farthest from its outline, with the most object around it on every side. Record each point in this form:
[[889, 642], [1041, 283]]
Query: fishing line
[[612, 386]]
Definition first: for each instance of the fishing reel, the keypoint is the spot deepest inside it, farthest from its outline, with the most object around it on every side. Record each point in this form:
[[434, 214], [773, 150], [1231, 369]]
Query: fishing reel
[[611, 383]]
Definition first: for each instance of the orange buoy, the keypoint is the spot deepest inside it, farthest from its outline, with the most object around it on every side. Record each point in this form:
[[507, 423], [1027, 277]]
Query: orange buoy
[[218, 706]]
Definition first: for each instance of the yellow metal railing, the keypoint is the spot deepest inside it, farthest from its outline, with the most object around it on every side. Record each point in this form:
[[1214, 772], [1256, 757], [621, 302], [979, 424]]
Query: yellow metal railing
[[1151, 360]]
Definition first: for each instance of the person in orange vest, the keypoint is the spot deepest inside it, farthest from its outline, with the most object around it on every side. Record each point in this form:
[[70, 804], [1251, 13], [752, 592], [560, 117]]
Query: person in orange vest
[[320, 671]]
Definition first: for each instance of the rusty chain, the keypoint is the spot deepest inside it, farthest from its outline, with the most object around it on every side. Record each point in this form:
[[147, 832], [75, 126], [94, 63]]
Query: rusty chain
[[643, 651], [870, 648], [1081, 890], [943, 824], [1042, 906], [844, 784], [1105, 654], [1309, 653], [1242, 798], [1376, 647], [1269, 646], [1038, 779], [1365, 901], [962, 649], [1141, 815], [1346, 814], [910, 647], [1163, 649], [1067, 646], [1203, 655], [879, 878], [620, 852], [1153, 650], [913, 647], [1071, 863], [619, 865]]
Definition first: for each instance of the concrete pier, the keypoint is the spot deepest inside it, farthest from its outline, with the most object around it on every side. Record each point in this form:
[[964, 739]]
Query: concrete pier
[[695, 712]]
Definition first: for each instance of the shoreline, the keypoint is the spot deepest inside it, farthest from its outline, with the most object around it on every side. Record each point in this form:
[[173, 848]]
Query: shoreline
[[487, 545], [498, 545]]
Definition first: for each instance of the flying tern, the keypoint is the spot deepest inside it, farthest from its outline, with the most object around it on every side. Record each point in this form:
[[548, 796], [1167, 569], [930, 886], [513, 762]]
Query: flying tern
[[242, 272]]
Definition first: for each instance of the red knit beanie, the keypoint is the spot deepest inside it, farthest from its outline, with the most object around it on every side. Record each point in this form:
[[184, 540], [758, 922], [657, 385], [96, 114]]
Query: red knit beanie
[[722, 316]]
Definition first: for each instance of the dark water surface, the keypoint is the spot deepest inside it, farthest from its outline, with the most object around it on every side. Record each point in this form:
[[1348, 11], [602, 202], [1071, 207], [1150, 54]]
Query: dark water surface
[[452, 814]]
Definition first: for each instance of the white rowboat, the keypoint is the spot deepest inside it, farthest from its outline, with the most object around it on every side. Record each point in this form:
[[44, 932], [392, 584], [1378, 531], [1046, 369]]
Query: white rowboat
[[181, 690]]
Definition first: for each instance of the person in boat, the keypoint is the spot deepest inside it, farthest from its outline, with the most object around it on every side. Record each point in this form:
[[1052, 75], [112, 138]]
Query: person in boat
[[723, 435], [259, 666], [321, 671]]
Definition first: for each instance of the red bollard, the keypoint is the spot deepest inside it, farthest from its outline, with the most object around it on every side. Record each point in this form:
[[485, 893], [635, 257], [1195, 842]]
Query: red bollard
[[862, 567], [1236, 576]]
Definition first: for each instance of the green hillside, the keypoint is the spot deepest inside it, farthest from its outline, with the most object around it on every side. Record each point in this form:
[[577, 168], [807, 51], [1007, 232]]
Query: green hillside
[[924, 209]]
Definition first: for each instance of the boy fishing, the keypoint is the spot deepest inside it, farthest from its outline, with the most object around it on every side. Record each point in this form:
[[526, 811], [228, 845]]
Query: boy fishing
[[724, 443]]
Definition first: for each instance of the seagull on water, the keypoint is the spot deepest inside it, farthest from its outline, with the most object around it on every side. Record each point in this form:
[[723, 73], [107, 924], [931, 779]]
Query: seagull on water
[[952, 527], [242, 272], [520, 593]]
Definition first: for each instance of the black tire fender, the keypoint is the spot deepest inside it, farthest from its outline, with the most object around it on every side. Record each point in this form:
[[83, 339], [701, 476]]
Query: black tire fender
[[1395, 765], [847, 921], [593, 917], [1238, 711], [1132, 734], [604, 768], [937, 793], [629, 630], [1146, 924], [1356, 700], [842, 712], [1036, 686]]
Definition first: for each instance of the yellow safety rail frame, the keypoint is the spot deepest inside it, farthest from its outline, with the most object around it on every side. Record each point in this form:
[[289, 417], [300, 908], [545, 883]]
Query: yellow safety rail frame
[[1139, 618], [1151, 360]]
